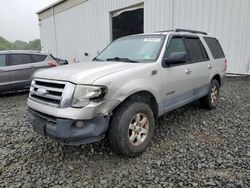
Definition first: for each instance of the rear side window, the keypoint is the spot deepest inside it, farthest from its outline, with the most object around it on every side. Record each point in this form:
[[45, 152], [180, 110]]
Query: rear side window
[[38, 58], [19, 59], [215, 47], [176, 45], [2, 60], [196, 50]]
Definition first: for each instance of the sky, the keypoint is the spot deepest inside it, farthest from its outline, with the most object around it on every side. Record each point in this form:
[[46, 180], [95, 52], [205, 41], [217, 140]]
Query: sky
[[18, 19]]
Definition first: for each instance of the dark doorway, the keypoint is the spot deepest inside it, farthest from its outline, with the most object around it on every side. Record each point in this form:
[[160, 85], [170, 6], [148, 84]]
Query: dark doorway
[[127, 23]]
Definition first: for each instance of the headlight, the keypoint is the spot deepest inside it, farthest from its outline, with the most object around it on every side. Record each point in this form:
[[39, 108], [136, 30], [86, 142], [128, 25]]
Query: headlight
[[84, 94]]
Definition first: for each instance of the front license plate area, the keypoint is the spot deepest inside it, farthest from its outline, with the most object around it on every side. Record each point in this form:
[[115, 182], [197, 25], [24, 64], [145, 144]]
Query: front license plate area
[[39, 125]]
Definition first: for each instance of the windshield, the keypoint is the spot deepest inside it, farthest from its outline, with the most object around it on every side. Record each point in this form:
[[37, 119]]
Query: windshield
[[133, 49]]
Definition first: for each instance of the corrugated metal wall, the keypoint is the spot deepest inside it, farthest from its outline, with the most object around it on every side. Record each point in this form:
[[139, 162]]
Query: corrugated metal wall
[[83, 28], [87, 27]]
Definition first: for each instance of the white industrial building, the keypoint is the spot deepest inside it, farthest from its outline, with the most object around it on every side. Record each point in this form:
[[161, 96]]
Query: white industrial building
[[79, 29]]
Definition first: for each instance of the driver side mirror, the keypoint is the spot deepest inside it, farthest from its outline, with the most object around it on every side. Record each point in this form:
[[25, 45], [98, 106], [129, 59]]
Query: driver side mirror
[[175, 58]]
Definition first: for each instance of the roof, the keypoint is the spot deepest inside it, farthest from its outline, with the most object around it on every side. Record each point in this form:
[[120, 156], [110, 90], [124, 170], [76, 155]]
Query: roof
[[184, 31], [57, 7], [50, 6], [23, 52], [177, 31]]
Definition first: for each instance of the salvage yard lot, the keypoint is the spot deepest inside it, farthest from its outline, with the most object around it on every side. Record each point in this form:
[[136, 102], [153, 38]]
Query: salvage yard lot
[[192, 147]]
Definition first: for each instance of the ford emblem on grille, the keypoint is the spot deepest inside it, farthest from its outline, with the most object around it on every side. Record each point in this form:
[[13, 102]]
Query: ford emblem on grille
[[42, 92]]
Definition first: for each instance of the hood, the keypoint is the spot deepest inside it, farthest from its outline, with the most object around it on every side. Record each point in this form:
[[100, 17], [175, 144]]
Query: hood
[[85, 72]]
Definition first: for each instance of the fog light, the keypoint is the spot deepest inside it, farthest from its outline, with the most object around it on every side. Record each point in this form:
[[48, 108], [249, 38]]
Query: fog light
[[79, 124]]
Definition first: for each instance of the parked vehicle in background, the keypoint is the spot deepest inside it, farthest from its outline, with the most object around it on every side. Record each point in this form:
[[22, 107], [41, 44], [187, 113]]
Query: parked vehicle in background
[[129, 85], [17, 67]]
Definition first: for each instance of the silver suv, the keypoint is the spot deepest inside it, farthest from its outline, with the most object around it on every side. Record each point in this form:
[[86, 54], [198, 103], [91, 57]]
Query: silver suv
[[126, 88], [17, 67]]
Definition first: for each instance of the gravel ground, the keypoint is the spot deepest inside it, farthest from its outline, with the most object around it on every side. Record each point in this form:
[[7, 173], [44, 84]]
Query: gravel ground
[[192, 147]]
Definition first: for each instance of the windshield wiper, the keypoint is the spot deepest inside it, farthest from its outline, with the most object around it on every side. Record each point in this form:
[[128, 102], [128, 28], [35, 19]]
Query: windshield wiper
[[97, 59], [121, 59]]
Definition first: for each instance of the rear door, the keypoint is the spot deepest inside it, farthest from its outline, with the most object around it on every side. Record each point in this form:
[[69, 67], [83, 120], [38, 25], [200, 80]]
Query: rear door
[[197, 73], [20, 69], [217, 65], [4, 72]]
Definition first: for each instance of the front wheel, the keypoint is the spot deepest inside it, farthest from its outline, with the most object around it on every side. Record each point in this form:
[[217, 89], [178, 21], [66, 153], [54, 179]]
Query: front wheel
[[131, 128], [211, 100]]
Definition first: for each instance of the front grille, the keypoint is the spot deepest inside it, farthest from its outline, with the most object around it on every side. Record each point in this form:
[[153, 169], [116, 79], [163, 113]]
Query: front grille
[[47, 91], [48, 118], [50, 84]]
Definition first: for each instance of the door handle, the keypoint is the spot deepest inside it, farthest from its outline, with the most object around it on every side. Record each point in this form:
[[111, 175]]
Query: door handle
[[209, 66], [188, 71]]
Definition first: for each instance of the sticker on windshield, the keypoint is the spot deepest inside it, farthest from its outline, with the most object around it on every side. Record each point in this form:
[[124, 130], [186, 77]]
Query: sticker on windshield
[[152, 40]]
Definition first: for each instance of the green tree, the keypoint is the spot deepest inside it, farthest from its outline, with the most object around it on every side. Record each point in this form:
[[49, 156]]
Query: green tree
[[5, 45], [19, 45], [35, 44]]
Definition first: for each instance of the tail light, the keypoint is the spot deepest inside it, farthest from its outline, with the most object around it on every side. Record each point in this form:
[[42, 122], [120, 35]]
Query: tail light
[[53, 64], [225, 66]]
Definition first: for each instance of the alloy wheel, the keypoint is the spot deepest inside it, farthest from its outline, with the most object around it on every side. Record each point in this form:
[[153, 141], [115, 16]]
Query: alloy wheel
[[138, 129], [214, 95]]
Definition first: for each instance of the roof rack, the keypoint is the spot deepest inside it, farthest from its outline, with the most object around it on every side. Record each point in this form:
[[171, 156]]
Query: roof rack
[[186, 30], [190, 31], [165, 31]]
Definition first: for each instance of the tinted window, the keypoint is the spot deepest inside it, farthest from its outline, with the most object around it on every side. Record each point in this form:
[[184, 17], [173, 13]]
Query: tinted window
[[2, 60], [38, 58], [196, 50], [18, 59], [215, 47], [176, 45]]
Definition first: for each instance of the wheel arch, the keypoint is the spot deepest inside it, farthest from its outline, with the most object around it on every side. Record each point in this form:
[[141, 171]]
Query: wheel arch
[[217, 77], [143, 96]]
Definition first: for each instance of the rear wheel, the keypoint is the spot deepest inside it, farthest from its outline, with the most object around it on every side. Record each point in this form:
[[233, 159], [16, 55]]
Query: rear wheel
[[131, 128], [211, 100]]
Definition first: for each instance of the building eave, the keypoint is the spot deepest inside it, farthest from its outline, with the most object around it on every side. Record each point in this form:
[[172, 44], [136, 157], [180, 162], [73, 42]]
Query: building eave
[[50, 6]]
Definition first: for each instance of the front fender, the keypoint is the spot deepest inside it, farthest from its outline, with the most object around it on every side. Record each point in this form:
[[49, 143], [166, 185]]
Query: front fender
[[131, 87], [125, 83]]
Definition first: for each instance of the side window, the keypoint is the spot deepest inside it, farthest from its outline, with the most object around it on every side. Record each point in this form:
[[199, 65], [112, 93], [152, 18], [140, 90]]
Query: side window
[[176, 44], [2, 60], [196, 50], [38, 58], [215, 47], [19, 59]]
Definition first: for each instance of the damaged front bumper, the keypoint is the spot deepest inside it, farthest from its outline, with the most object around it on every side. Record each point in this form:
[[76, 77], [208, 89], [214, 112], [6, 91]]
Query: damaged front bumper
[[66, 131]]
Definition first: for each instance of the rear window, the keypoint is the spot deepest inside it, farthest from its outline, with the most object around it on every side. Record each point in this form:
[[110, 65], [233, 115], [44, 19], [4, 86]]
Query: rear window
[[196, 50], [38, 58], [19, 59], [215, 47], [2, 60]]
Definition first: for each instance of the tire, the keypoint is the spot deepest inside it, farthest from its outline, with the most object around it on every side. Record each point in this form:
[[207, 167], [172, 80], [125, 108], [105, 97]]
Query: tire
[[211, 100], [131, 129]]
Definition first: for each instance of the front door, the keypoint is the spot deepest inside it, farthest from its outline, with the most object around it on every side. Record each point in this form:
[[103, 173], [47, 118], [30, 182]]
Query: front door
[[175, 88]]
